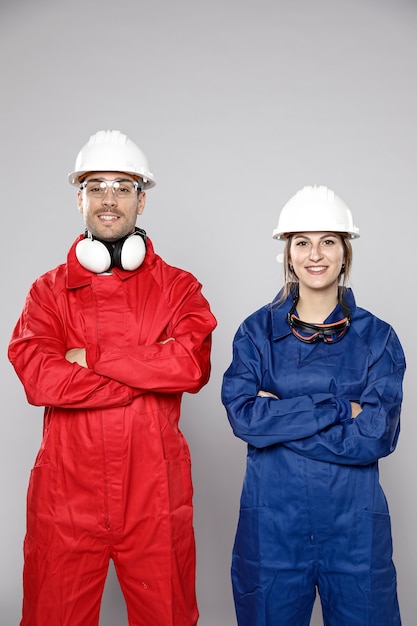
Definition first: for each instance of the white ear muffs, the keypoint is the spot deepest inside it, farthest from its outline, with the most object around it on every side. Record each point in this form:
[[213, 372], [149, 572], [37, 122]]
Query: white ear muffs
[[99, 256]]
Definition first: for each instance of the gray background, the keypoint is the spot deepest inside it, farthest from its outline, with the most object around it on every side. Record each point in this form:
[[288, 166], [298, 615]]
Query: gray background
[[237, 104]]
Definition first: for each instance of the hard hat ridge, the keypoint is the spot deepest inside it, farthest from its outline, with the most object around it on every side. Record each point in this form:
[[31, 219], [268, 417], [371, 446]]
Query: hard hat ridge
[[108, 136]]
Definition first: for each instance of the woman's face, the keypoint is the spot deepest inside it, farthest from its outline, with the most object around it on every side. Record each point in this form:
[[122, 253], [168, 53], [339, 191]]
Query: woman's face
[[317, 259]]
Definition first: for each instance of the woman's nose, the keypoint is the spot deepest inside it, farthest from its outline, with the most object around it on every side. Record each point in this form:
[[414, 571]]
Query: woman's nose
[[315, 252]]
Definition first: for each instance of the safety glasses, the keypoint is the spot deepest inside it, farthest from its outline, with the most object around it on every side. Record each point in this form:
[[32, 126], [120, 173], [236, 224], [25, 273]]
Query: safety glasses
[[97, 187], [311, 333]]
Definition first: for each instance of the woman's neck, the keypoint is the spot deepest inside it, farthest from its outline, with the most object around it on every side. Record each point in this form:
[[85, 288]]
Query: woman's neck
[[315, 306]]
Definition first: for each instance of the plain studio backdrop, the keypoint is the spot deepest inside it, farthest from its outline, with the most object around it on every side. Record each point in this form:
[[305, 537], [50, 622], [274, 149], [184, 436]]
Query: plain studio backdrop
[[237, 104]]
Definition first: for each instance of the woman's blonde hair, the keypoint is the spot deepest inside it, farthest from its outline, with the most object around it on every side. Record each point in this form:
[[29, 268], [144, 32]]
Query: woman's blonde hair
[[291, 279]]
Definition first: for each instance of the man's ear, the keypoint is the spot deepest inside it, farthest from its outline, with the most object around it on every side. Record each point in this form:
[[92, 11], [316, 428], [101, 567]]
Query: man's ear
[[141, 202], [80, 201]]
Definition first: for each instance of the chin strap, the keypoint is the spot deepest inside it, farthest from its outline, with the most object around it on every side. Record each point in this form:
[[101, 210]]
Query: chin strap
[[329, 333]]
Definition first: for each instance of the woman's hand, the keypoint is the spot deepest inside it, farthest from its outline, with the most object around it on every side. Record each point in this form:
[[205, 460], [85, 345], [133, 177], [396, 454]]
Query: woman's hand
[[356, 409], [267, 394]]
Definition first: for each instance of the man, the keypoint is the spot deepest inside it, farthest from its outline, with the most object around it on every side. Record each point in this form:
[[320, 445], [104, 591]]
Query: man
[[108, 342]]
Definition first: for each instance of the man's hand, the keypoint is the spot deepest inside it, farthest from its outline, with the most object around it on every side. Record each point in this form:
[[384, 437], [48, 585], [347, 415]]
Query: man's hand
[[77, 355]]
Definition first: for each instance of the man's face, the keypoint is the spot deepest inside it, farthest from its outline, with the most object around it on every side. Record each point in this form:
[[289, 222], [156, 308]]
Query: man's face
[[109, 213]]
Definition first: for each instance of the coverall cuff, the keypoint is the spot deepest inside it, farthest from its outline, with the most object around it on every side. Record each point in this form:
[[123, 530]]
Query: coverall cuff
[[91, 354], [344, 410]]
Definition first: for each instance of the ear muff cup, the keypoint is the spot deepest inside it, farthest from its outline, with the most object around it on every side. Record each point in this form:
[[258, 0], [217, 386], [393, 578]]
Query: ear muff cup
[[128, 253], [94, 255], [99, 256]]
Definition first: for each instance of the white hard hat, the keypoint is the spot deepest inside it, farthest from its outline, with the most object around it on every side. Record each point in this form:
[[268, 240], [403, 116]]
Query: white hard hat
[[111, 151], [315, 209]]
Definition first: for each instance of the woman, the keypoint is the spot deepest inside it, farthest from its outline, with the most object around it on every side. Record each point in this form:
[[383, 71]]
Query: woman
[[315, 389]]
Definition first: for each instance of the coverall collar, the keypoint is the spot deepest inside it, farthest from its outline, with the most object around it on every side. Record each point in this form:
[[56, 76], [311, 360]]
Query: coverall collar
[[78, 276]]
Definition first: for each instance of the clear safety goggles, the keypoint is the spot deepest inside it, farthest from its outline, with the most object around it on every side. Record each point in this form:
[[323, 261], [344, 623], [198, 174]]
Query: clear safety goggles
[[97, 188]]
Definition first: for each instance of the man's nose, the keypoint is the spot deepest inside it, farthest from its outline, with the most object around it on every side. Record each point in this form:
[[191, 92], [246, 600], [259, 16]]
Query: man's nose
[[109, 197]]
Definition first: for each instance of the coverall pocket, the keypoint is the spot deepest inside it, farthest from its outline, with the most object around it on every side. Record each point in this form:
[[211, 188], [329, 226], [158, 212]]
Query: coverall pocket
[[175, 448], [374, 549], [41, 502]]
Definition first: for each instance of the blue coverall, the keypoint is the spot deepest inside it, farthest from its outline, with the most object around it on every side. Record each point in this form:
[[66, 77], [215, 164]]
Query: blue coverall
[[313, 514]]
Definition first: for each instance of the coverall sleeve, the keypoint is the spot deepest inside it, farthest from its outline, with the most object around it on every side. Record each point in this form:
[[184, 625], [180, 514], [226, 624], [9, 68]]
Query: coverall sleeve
[[373, 434], [318, 425], [167, 366], [37, 352]]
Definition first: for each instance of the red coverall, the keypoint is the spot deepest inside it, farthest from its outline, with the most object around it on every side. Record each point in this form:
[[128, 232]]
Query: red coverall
[[112, 478]]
